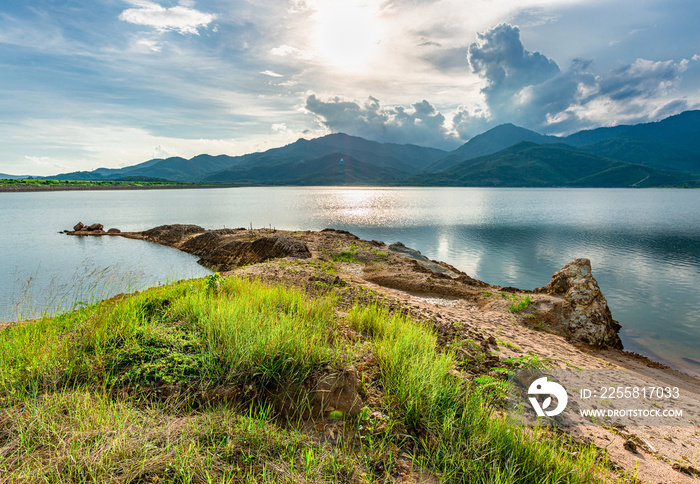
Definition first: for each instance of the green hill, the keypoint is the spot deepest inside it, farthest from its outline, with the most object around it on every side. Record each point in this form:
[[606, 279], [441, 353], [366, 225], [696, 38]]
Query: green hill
[[492, 141], [533, 165]]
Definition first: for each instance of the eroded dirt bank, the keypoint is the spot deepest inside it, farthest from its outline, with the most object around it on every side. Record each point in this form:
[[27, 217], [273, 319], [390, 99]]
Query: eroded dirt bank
[[566, 324]]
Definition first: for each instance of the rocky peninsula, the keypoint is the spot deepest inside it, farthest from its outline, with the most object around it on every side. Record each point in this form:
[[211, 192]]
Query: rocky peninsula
[[566, 323]]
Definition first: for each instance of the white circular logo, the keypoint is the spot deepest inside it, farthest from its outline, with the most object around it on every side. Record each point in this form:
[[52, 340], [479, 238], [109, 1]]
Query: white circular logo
[[543, 387]]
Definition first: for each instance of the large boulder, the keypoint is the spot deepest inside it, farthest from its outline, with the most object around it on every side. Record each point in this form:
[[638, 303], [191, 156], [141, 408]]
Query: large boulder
[[585, 312]]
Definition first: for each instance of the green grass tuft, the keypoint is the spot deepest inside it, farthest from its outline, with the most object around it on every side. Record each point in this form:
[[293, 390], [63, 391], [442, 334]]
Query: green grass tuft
[[520, 304]]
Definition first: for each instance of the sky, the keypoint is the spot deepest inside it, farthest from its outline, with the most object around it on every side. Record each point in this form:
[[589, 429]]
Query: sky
[[111, 83]]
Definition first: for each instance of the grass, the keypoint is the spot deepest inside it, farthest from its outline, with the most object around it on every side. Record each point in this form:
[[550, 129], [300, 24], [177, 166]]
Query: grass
[[118, 392], [135, 182], [520, 304], [345, 256], [462, 436]]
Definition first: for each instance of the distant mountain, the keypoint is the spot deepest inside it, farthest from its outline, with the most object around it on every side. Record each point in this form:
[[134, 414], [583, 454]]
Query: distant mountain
[[663, 153], [5, 176], [669, 144], [681, 130], [281, 165], [590, 136], [342, 170], [492, 141], [672, 144], [648, 153], [266, 167], [173, 169], [529, 164]]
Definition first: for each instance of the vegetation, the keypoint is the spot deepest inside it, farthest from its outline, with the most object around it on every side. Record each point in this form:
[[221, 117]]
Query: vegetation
[[520, 304], [135, 182], [208, 381]]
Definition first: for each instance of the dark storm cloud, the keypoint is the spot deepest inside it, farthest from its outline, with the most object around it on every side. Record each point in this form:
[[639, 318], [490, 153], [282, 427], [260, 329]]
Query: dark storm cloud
[[500, 58], [421, 123]]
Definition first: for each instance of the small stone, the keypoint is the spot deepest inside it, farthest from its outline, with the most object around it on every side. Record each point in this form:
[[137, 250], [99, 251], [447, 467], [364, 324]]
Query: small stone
[[630, 446]]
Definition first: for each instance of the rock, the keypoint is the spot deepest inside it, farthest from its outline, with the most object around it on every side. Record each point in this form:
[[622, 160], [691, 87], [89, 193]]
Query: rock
[[585, 312], [337, 392], [341, 232], [170, 235], [95, 227], [209, 241], [236, 253], [114, 231], [422, 263], [630, 446], [78, 226]]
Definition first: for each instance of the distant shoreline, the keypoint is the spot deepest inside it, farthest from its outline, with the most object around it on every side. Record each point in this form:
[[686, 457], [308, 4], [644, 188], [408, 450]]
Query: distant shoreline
[[65, 188]]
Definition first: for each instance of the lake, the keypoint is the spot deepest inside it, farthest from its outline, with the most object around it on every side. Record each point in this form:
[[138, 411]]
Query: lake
[[644, 245]]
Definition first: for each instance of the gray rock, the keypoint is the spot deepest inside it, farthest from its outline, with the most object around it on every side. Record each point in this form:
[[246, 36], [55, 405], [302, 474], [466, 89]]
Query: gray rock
[[422, 260], [585, 312]]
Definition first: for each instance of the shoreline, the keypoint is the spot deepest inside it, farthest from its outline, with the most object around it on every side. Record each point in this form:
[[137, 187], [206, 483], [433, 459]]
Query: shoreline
[[66, 188], [215, 264]]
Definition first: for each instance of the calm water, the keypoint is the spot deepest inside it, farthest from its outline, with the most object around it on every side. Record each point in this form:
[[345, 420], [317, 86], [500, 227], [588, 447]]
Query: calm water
[[644, 245]]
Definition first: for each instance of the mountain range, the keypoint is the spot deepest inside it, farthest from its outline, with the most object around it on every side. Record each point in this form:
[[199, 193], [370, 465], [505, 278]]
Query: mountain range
[[663, 153]]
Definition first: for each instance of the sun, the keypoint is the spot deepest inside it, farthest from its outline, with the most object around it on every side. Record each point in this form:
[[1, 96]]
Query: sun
[[347, 33]]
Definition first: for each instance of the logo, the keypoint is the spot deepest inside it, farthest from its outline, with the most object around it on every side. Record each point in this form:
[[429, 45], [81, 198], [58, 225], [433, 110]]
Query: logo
[[543, 387]]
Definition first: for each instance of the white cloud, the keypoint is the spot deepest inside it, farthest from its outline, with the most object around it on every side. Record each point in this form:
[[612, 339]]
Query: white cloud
[[150, 44], [182, 18], [288, 50], [271, 74]]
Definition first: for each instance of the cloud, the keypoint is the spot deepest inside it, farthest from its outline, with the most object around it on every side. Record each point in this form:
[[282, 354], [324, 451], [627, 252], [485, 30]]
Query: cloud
[[642, 78], [529, 89], [420, 123], [271, 73], [182, 18], [288, 50], [500, 59]]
